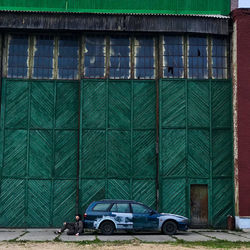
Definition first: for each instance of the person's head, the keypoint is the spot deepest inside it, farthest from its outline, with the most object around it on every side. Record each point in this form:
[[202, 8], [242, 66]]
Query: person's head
[[78, 217]]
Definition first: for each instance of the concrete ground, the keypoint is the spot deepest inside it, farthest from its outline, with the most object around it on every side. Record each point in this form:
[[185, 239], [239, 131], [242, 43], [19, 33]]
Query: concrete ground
[[20, 235]]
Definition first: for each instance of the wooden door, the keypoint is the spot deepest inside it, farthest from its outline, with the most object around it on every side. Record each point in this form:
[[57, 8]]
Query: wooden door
[[199, 205]]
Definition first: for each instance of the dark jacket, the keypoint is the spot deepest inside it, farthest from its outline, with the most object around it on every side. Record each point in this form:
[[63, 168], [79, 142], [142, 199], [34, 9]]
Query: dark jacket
[[78, 226]]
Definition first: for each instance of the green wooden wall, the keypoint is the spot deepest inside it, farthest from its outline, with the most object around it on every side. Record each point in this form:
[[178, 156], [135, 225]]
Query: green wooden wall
[[98, 138]]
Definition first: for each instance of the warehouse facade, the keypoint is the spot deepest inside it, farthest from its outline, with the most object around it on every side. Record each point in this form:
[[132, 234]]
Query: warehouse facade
[[124, 106]]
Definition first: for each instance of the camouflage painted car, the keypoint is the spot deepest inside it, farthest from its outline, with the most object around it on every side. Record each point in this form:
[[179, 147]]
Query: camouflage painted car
[[110, 215]]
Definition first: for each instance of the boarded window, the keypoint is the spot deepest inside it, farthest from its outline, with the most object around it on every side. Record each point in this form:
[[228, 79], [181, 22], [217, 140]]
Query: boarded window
[[173, 57], [18, 56], [119, 58], [94, 57], [197, 58], [144, 58], [43, 57], [219, 58], [68, 58]]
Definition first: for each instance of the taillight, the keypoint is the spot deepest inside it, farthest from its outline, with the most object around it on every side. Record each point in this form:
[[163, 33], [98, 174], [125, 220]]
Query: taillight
[[85, 215]]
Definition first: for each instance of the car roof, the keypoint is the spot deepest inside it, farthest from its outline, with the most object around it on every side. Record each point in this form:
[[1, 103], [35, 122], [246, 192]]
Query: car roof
[[113, 200]]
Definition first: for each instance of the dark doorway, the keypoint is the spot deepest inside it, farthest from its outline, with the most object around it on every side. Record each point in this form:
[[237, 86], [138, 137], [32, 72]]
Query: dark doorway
[[199, 205]]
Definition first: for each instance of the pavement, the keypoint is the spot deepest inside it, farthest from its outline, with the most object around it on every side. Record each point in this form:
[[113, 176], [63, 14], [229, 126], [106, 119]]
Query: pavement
[[191, 235]]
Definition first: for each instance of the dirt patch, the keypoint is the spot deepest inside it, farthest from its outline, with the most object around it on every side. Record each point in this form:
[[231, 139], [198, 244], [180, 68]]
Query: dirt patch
[[67, 246]]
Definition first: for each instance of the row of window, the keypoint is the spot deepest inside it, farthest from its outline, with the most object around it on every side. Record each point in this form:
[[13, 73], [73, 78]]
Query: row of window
[[115, 57], [121, 208]]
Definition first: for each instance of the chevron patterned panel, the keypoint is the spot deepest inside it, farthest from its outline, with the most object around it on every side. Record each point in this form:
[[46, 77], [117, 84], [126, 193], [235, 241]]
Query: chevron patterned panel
[[144, 104], [12, 208], [221, 104], [222, 201], [17, 100], [119, 104], [173, 152], [15, 153], [118, 189], [42, 104], [144, 157], [173, 196], [91, 190], [93, 154], [198, 104], [94, 103], [222, 153], [66, 153], [39, 205], [119, 145], [67, 101], [173, 103], [198, 153], [64, 206], [145, 192], [41, 153]]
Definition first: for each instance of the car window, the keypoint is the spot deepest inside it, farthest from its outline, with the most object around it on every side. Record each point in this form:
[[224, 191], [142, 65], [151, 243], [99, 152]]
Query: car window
[[140, 209], [120, 208], [103, 207]]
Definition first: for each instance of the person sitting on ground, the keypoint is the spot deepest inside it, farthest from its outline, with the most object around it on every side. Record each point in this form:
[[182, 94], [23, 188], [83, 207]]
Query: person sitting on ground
[[75, 228]]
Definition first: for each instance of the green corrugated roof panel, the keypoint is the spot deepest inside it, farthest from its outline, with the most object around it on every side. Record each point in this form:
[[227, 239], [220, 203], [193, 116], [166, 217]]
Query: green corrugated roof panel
[[214, 7]]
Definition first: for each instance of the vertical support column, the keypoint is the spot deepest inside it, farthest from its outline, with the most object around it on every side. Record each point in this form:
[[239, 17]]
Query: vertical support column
[[186, 151], [79, 142], [210, 190], [31, 51], [131, 139], [53, 155], [235, 117], [158, 74], [106, 134], [55, 57], [28, 153], [79, 163]]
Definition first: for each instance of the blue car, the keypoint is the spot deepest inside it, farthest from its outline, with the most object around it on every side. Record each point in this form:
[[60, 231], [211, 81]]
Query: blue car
[[110, 215]]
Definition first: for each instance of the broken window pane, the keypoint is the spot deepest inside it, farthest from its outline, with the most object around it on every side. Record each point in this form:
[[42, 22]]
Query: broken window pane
[[68, 58], [173, 57], [197, 58], [119, 58], [144, 58], [94, 57], [219, 58], [43, 57], [18, 56]]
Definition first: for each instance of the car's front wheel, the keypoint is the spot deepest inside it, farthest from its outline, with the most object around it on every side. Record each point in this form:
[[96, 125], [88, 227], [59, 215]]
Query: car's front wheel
[[169, 228], [107, 228]]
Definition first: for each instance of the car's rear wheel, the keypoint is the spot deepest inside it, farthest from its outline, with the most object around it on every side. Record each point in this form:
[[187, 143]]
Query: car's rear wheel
[[169, 228], [107, 228]]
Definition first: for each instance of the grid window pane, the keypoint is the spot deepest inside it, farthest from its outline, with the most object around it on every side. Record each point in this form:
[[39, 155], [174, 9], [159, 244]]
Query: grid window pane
[[18, 56], [68, 58], [197, 58], [173, 57], [119, 58], [43, 57], [94, 57], [219, 58], [144, 58]]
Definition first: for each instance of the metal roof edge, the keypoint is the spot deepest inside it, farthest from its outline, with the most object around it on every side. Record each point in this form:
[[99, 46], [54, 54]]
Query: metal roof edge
[[219, 16]]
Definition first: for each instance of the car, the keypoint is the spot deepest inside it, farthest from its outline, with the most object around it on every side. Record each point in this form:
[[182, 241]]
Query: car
[[110, 215]]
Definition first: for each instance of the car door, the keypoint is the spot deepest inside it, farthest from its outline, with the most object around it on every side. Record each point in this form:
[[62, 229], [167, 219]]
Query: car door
[[143, 217], [122, 215]]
